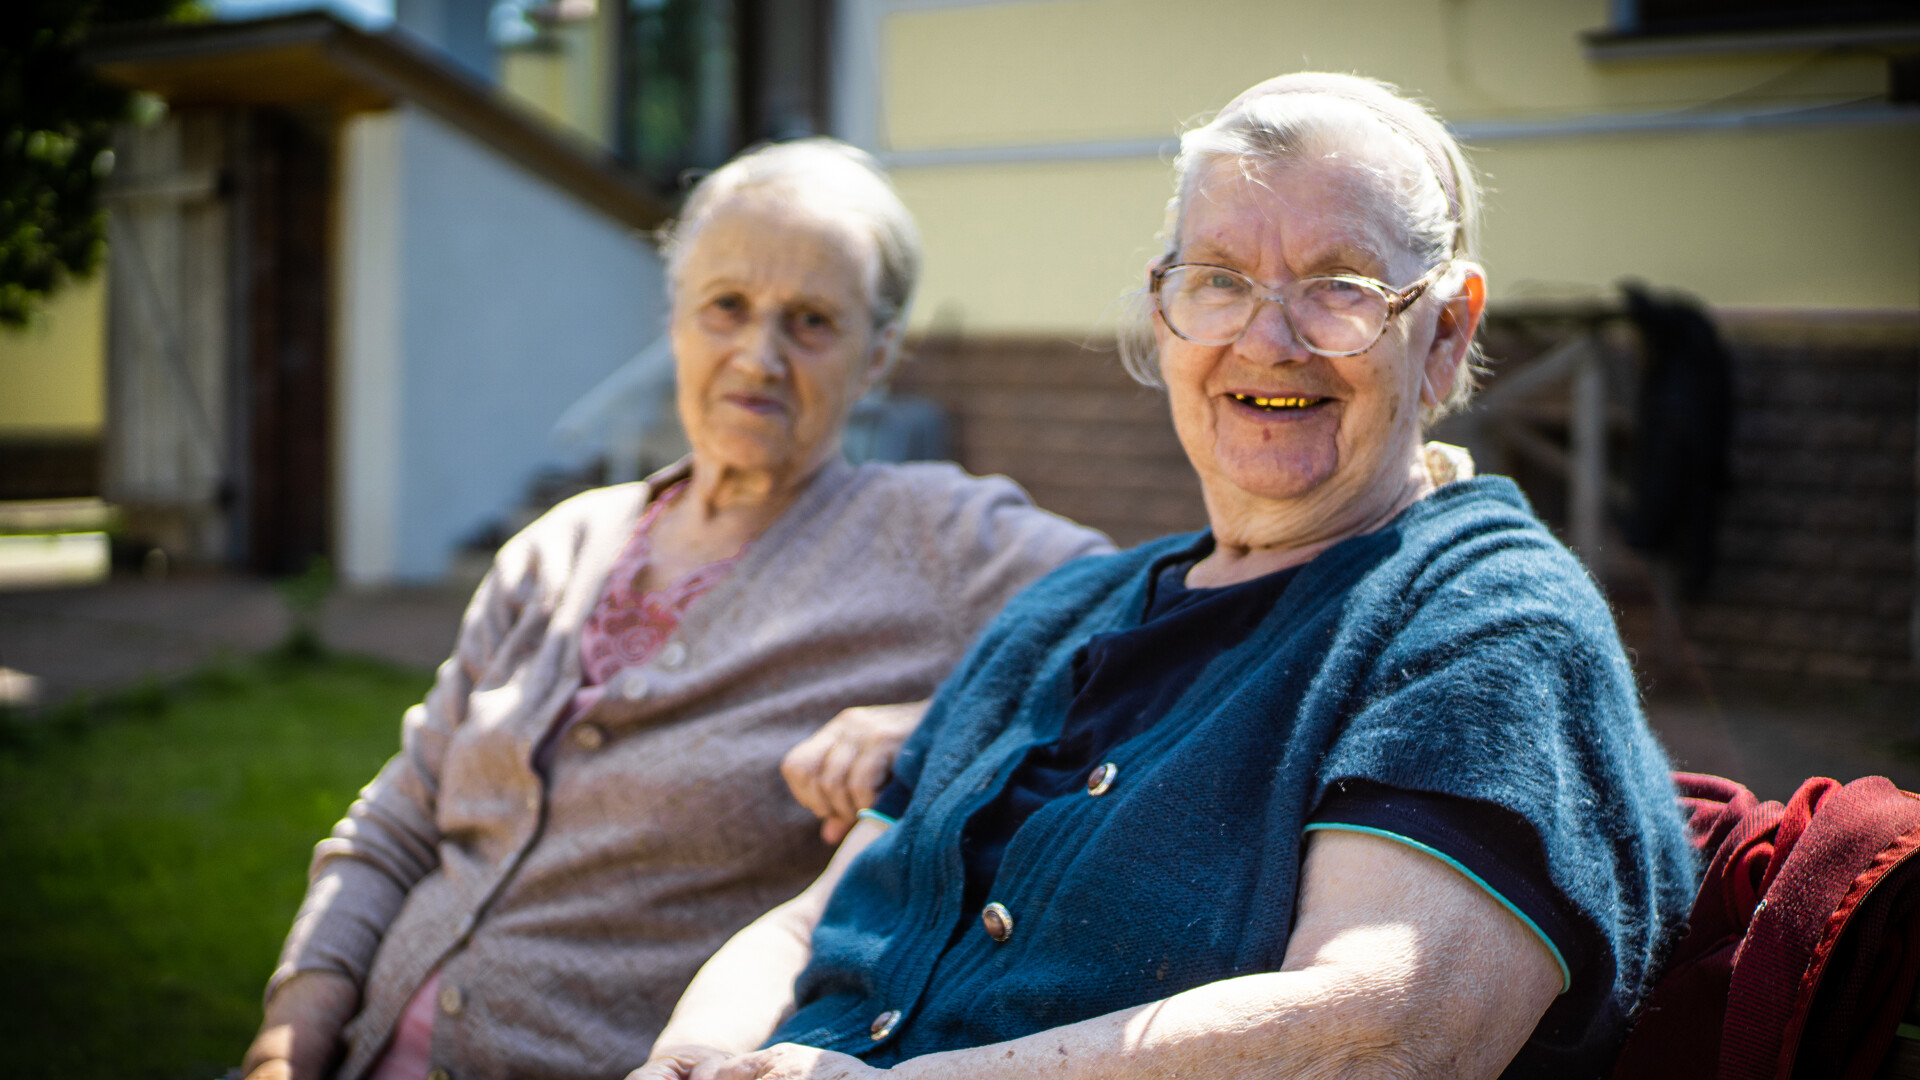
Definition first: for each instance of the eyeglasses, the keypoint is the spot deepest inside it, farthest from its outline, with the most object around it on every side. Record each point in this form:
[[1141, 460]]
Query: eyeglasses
[[1332, 315]]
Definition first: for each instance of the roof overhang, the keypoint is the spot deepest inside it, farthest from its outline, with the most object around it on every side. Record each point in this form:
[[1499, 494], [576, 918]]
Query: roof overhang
[[314, 60]]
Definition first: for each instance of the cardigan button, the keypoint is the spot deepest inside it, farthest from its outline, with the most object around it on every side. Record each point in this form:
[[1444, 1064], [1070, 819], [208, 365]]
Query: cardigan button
[[439, 1074], [884, 1024], [674, 654], [634, 686], [1101, 778], [998, 921], [451, 1001], [589, 737]]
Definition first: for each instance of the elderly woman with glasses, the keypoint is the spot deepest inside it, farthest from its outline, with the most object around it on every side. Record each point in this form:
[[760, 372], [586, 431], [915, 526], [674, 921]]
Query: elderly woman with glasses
[[1353, 783], [590, 800]]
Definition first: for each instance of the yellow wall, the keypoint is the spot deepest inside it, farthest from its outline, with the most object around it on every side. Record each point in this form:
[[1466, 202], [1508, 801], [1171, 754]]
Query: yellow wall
[[567, 77], [52, 374], [1794, 215]]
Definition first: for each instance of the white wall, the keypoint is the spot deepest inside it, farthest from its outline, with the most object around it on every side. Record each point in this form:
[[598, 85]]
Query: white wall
[[508, 300], [368, 386]]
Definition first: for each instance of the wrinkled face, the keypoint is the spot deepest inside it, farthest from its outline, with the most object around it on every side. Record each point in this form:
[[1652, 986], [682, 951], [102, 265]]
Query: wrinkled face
[[1341, 426], [773, 336]]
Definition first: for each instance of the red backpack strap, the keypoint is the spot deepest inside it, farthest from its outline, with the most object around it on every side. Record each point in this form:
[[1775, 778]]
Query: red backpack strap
[[1828, 854], [1713, 805]]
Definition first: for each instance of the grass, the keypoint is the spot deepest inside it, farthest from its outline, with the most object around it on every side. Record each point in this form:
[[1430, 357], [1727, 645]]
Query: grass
[[155, 848]]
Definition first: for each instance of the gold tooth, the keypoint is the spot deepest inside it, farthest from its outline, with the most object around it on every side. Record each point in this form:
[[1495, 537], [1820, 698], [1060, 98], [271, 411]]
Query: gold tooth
[[1273, 403]]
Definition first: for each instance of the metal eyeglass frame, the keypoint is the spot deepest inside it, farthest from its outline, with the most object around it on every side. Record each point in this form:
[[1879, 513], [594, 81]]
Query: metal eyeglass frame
[[1398, 300]]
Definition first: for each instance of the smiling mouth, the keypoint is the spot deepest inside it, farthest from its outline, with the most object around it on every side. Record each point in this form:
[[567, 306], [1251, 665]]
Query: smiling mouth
[[1278, 404]]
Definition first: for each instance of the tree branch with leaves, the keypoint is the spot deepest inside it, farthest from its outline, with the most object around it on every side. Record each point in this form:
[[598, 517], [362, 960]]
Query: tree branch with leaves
[[56, 130]]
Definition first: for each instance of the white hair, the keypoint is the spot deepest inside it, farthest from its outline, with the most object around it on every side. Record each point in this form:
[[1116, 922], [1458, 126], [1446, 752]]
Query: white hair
[[1430, 191], [821, 174]]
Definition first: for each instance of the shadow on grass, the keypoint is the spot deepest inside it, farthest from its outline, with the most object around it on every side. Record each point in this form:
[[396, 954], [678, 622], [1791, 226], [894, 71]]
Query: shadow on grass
[[156, 842]]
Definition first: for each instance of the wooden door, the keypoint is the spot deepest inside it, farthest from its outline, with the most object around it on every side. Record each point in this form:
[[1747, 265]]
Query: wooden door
[[283, 261]]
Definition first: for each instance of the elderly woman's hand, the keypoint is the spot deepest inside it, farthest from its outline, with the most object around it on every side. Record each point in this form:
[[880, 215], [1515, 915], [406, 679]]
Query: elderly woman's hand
[[300, 1035], [676, 1062], [839, 770]]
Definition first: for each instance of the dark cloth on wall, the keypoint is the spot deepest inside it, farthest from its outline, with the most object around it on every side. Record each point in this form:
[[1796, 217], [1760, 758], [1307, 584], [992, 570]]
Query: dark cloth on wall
[[1460, 652], [1683, 428]]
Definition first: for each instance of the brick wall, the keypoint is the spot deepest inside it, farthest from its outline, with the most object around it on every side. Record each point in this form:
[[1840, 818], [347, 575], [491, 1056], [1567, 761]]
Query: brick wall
[[1817, 547], [1066, 423], [50, 467]]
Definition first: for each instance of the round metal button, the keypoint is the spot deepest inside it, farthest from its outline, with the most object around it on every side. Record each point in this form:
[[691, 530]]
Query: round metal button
[[998, 921], [1101, 778], [674, 654], [884, 1024], [533, 801], [634, 686], [450, 1000], [589, 737], [439, 1074]]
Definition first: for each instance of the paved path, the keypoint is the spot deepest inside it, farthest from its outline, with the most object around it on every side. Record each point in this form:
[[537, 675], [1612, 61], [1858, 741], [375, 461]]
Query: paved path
[[112, 635], [1769, 733]]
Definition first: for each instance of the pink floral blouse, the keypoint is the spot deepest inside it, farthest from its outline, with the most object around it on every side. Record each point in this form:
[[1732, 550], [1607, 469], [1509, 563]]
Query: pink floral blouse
[[628, 626]]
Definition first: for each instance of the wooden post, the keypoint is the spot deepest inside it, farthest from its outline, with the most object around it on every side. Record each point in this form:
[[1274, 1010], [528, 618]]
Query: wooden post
[[1587, 479]]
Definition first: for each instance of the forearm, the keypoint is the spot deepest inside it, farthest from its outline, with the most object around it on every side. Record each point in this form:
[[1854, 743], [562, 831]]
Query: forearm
[[743, 992], [1397, 967], [1288, 1024]]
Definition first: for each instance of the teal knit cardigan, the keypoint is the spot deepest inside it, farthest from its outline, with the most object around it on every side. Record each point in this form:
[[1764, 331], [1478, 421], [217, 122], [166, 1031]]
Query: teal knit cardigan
[[1461, 651]]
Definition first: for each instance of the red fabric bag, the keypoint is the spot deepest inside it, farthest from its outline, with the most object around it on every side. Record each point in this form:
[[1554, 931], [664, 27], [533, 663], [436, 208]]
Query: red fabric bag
[[1804, 944]]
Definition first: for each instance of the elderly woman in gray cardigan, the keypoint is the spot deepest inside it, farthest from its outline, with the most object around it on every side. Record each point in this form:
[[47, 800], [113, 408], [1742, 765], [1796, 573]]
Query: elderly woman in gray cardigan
[[1354, 783], [589, 801]]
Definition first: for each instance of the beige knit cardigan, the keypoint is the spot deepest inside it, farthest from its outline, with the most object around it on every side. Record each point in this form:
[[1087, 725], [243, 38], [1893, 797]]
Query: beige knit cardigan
[[566, 913]]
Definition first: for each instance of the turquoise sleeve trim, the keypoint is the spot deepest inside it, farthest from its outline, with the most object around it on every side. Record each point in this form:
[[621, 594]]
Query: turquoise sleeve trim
[[875, 815], [1566, 973]]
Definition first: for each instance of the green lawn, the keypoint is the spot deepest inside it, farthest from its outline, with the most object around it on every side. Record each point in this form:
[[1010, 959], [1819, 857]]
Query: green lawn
[[155, 848]]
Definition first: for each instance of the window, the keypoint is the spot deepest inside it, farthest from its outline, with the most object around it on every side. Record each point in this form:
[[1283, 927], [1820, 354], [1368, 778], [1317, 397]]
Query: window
[[701, 79], [1648, 17]]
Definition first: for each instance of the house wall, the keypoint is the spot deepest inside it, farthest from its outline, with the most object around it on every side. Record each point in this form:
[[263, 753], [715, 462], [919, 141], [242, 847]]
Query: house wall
[[567, 76], [492, 304], [456, 28], [53, 396], [369, 356], [1032, 138], [54, 370], [1029, 138]]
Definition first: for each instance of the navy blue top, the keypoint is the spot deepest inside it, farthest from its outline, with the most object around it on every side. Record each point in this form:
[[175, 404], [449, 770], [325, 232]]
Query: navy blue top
[[1460, 652], [1125, 682]]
